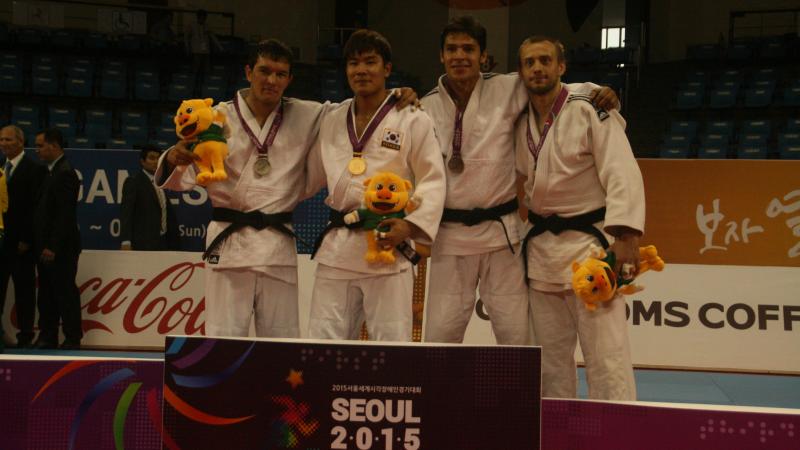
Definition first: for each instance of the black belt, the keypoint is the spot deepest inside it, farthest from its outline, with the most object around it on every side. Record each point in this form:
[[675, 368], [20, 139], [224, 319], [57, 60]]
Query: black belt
[[336, 220], [470, 217], [556, 224], [254, 219]]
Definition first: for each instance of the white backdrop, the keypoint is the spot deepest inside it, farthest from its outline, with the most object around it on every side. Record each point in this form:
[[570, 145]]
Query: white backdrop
[[689, 316]]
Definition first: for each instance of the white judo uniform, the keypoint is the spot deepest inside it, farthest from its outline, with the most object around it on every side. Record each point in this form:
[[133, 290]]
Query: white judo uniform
[[478, 256], [255, 272], [347, 288], [585, 163]]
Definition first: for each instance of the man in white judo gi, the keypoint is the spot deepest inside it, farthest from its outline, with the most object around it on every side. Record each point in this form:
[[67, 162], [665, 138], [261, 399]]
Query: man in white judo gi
[[478, 241], [357, 139], [583, 187]]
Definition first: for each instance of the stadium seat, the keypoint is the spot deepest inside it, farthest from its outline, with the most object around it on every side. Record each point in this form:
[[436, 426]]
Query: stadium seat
[[213, 91], [167, 118], [132, 117], [723, 127], [739, 52], [67, 129], [677, 141], [730, 75], [166, 133], [178, 91], [673, 152], [790, 138], [130, 42], [28, 112], [723, 98], [793, 125], [791, 95], [713, 151], [686, 128], [756, 127], [134, 134], [82, 142], [788, 151], [31, 36], [118, 144], [772, 50], [44, 84], [146, 90], [98, 125], [78, 87], [765, 74], [696, 75], [61, 114], [95, 41], [759, 97], [752, 151], [714, 140], [11, 82], [689, 100], [65, 39]]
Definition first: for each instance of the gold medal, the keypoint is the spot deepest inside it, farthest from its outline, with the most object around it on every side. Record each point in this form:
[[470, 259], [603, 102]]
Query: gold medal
[[456, 164], [357, 166], [261, 166]]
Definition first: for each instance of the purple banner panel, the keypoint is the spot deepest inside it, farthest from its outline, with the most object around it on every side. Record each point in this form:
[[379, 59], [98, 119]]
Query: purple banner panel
[[60, 403], [582, 424], [285, 394]]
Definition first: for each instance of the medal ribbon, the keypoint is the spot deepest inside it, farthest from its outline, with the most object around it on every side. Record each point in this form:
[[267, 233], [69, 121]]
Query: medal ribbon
[[535, 148], [263, 147], [457, 134], [358, 144]]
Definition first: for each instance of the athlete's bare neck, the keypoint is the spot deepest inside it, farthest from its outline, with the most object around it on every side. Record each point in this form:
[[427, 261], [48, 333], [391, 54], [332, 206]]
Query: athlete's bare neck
[[460, 90], [366, 106], [260, 110], [543, 103]]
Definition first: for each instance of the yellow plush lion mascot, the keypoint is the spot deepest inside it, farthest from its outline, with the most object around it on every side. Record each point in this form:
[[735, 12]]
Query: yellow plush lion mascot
[[594, 280], [197, 122], [386, 196]]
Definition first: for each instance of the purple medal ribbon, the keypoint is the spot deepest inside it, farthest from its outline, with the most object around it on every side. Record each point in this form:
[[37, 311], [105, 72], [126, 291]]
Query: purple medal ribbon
[[535, 148], [358, 145], [263, 147], [457, 134]]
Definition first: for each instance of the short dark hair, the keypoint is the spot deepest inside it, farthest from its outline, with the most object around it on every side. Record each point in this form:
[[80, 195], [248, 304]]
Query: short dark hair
[[149, 148], [52, 136], [467, 25], [560, 51], [272, 49], [362, 41]]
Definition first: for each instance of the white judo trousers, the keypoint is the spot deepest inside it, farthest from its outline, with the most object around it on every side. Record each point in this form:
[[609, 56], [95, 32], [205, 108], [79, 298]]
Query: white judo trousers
[[560, 320], [241, 294], [453, 283], [339, 307]]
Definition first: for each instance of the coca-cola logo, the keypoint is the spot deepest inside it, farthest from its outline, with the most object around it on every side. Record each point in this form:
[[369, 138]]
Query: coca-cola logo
[[144, 302]]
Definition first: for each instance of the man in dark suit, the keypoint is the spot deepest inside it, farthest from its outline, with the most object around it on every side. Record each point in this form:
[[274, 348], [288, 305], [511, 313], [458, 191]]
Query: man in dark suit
[[147, 221], [58, 246], [17, 260]]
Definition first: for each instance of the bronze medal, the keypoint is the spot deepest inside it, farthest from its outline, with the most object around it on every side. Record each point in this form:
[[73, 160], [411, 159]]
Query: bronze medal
[[456, 164], [261, 166], [357, 166]]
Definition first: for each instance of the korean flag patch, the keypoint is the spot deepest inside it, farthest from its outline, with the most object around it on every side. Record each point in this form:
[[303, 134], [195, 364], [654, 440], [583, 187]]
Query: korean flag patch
[[392, 139]]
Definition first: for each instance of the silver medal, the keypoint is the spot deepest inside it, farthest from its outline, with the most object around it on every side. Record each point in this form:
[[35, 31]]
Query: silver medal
[[261, 166]]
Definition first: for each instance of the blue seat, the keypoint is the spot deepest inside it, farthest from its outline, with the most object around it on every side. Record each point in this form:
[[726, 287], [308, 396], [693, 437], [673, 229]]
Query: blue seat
[[696, 75], [673, 152], [684, 128], [67, 129], [714, 140], [772, 50], [730, 75], [790, 138], [713, 151], [29, 127], [756, 127], [65, 38], [134, 134], [82, 142], [723, 127], [791, 95], [723, 98], [80, 71], [11, 82], [98, 124], [217, 92], [688, 100], [146, 90], [167, 118], [130, 42], [793, 125], [789, 151], [134, 118], [752, 151], [95, 41], [44, 85], [118, 144], [177, 91], [677, 141], [166, 133], [757, 97], [162, 144], [739, 52], [766, 74], [113, 88], [31, 36], [753, 139], [61, 114], [28, 112], [78, 87]]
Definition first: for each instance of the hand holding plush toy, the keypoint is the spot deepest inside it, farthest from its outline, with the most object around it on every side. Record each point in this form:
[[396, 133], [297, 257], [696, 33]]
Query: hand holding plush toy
[[386, 197], [197, 122], [594, 281]]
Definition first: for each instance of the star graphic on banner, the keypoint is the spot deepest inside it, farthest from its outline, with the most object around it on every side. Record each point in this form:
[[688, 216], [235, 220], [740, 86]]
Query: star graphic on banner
[[295, 378]]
